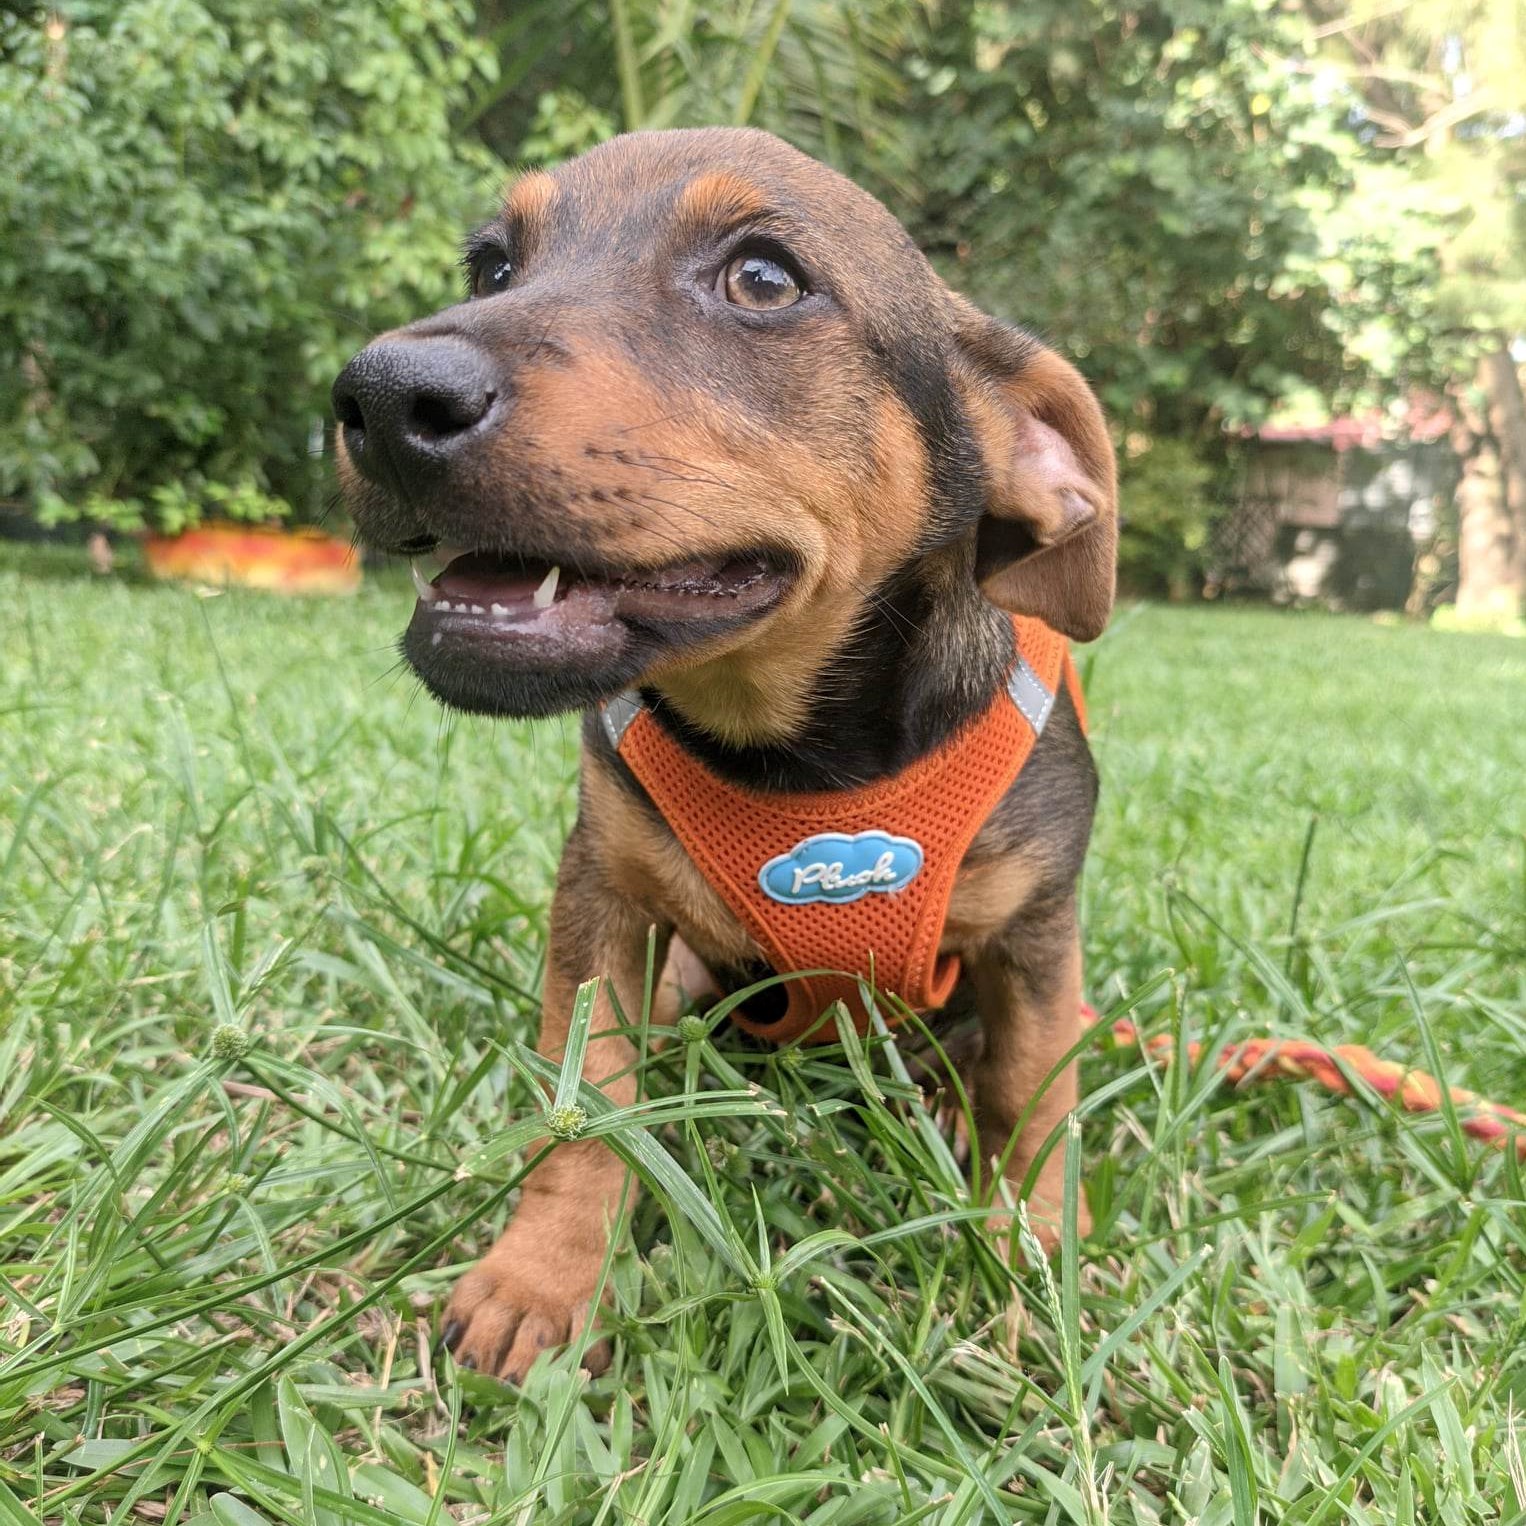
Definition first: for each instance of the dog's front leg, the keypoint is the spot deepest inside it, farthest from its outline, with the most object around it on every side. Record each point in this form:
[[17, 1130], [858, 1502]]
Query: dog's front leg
[[533, 1289], [1028, 987]]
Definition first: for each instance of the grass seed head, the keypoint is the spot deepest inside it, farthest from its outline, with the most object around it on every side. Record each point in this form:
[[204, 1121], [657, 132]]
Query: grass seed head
[[230, 1042], [566, 1123]]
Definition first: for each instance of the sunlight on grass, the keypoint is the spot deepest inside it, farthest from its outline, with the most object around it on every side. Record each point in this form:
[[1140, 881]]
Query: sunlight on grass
[[269, 932]]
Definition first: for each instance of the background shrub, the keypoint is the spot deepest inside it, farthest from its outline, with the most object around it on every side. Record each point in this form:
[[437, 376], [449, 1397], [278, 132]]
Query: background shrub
[[1169, 504], [207, 207]]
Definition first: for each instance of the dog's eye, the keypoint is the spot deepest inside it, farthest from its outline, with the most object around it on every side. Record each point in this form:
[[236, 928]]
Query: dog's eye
[[758, 282], [492, 275]]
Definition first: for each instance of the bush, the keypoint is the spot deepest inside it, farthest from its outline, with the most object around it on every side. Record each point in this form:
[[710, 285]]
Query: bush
[[1167, 509], [208, 205]]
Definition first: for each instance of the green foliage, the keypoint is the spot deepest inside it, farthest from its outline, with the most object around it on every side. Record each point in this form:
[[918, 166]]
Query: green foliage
[[1437, 90], [1426, 250], [269, 937], [171, 507], [208, 205], [1168, 507], [1139, 184], [825, 74], [564, 125]]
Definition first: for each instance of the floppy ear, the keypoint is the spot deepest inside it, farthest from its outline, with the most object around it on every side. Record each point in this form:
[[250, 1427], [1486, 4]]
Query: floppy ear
[[1047, 544]]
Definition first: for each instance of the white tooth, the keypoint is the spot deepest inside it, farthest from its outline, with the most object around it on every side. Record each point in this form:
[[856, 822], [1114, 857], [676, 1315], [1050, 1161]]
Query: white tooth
[[477, 609], [421, 585], [547, 590], [499, 610]]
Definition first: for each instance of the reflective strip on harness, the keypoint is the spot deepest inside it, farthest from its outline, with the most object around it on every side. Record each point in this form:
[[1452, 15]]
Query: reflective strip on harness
[[1029, 694], [855, 882], [617, 715]]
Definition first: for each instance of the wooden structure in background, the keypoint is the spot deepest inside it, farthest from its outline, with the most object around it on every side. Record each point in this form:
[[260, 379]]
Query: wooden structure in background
[[1334, 513]]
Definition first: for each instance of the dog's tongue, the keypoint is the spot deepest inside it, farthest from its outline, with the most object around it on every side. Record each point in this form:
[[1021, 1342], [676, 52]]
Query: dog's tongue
[[487, 579]]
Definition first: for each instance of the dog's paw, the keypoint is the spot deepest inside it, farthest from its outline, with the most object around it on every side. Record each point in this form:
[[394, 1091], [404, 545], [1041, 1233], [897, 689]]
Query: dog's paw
[[1046, 1220], [503, 1314]]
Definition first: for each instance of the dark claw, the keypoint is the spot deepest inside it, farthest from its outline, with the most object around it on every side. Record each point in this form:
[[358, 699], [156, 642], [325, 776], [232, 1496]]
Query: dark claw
[[451, 1334], [469, 1363]]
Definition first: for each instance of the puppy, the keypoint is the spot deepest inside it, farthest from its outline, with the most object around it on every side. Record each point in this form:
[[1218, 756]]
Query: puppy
[[720, 462]]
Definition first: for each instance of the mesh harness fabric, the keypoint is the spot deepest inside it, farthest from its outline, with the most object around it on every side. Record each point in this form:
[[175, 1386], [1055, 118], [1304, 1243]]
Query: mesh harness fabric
[[851, 884]]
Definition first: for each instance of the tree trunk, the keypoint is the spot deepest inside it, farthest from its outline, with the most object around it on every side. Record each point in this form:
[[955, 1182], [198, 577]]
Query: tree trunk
[[1507, 421], [1486, 540]]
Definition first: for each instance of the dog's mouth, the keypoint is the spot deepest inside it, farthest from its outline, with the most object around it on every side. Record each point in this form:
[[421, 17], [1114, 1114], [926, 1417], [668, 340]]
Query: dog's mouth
[[512, 634], [525, 596]]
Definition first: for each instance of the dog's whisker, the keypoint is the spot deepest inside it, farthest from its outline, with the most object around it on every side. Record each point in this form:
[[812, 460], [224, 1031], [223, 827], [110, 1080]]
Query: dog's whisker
[[666, 464], [666, 418]]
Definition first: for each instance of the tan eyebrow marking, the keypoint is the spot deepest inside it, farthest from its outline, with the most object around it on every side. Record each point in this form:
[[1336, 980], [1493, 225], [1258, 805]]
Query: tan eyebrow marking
[[531, 198], [716, 200]]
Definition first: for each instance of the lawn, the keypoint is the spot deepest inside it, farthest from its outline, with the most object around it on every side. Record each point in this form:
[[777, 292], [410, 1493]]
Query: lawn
[[269, 929]]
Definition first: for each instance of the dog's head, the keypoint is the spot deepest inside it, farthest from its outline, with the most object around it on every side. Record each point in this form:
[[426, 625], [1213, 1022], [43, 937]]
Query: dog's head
[[705, 399]]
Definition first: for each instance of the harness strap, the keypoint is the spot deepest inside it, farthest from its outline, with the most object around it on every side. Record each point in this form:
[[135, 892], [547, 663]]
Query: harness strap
[[850, 884]]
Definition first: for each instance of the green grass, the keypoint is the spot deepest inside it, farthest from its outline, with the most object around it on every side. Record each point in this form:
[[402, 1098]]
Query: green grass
[[269, 927]]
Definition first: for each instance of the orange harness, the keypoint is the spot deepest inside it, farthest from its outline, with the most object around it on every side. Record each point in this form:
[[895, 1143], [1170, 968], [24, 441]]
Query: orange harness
[[855, 883]]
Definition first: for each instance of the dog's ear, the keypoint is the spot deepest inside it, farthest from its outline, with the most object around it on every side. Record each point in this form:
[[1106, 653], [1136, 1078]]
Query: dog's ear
[[1047, 544]]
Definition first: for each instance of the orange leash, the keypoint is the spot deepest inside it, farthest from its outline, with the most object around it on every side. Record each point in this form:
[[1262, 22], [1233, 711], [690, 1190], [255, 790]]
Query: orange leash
[[1302, 1060]]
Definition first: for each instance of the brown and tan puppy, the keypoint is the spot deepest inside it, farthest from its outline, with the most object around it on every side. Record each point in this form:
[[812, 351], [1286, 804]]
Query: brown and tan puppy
[[792, 486]]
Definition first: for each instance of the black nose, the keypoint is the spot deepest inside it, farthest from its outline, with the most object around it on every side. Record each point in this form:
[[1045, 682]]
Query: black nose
[[407, 405]]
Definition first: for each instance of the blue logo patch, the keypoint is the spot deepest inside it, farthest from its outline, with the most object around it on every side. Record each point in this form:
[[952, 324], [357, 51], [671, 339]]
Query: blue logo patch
[[835, 867]]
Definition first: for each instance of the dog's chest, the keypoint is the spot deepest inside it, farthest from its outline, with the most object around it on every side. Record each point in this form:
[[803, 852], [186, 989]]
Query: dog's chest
[[653, 869]]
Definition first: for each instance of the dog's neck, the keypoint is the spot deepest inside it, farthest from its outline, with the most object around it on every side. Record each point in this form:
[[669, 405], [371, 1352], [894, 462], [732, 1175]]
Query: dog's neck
[[923, 658]]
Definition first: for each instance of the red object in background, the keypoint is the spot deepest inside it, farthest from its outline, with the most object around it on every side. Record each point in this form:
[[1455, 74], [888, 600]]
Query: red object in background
[[281, 561], [1423, 419], [1265, 1059]]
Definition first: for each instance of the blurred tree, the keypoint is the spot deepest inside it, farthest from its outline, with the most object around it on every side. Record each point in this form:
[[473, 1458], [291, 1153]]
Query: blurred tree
[[825, 74], [1142, 183], [1438, 92], [206, 206], [1147, 185]]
